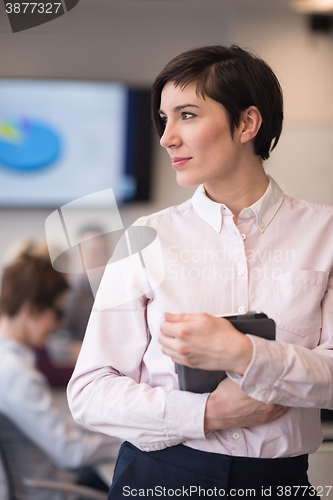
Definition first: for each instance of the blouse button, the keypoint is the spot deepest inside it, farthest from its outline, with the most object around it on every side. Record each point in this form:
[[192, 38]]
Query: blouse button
[[235, 435], [243, 236]]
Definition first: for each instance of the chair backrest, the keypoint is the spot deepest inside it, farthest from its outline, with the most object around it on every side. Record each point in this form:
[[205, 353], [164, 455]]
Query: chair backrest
[[5, 489], [24, 459], [27, 472]]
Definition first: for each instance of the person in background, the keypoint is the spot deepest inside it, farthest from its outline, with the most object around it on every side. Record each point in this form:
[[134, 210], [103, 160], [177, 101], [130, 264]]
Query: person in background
[[80, 299], [57, 356], [32, 303], [56, 359]]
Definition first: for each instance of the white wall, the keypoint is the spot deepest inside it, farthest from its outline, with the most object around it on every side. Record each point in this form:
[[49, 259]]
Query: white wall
[[303, 161], [131, 40]]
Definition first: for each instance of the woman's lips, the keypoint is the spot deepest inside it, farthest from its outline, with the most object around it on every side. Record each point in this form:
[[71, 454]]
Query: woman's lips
[[179, 161]]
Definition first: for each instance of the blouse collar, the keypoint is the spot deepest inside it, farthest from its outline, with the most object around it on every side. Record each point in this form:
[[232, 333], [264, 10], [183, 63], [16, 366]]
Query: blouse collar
[[264, 209]]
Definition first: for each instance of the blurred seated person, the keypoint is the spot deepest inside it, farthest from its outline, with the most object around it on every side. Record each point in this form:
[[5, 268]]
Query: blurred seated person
[[31, 303], [57, 356], [80, 299]]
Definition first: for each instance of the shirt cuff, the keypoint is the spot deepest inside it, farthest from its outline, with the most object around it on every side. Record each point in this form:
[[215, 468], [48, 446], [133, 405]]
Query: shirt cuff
[[263, 371], [186, 414], [237, 377]]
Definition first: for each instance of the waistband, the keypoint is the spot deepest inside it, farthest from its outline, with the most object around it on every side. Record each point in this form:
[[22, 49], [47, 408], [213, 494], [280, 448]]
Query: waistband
[[216, 465]]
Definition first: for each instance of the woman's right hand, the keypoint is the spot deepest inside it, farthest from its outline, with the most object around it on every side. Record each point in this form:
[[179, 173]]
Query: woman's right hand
[[229, 407]]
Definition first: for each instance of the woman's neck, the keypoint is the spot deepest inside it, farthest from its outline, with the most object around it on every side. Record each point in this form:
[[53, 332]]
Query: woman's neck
[[239, 191]]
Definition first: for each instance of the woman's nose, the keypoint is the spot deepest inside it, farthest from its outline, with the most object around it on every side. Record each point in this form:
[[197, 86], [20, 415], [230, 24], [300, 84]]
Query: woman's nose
[[170, 137]]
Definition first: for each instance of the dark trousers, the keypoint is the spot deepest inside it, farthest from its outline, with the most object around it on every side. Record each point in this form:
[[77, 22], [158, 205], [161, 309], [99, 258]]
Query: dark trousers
[[180, 471]]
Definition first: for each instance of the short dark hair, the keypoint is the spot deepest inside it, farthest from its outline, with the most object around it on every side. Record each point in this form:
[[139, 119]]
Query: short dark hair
[[30, 280], [233, 77]]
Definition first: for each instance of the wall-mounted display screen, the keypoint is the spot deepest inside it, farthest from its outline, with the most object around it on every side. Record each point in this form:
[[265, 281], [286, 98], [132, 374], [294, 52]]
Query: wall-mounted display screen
[[62, 140]]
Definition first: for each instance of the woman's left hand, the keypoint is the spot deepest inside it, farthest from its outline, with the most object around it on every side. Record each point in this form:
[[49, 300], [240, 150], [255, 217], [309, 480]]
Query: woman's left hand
[[206, 342]]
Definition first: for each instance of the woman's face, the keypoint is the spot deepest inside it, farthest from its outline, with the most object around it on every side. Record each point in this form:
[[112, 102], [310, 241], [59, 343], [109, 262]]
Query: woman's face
[[197, 137]]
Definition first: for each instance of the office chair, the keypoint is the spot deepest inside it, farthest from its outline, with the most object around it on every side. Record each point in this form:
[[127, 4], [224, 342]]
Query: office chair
[[14, 444], [4, 484]]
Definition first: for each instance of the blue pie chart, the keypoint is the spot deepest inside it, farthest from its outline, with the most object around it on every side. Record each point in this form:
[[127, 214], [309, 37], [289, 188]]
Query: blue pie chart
[[27, 145]]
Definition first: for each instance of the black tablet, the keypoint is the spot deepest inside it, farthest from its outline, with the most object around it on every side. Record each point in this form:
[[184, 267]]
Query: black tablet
[[201, 381]]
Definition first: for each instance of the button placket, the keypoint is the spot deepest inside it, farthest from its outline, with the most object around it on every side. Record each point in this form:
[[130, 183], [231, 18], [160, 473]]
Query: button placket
[[237, 441], [241, 286]]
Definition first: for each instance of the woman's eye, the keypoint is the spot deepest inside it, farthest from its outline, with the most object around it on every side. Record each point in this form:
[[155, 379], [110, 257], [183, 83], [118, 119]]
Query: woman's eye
[[187, 116], [163, 119]]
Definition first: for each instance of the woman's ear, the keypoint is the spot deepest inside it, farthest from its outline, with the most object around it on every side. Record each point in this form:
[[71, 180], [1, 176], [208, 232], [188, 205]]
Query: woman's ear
[[250, 122]]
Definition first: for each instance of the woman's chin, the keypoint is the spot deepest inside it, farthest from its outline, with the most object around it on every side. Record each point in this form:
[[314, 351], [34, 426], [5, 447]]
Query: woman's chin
[[186, 181]]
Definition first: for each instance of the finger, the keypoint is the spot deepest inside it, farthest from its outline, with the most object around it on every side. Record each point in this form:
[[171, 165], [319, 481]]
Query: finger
[[277, 408], [281, 410], [172, 354], [179, 318], [169, 329], [169, 342], [164, 339], [177, 329], [176, 325], [278, 412], [170, 349], [174, 318]]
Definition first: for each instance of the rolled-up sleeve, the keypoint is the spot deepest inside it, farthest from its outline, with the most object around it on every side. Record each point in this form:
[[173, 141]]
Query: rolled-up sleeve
[[106, 392], [293, 375]]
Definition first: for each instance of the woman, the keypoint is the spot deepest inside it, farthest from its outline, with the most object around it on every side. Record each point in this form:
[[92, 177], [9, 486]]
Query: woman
[[239, 244], [39, 440]]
